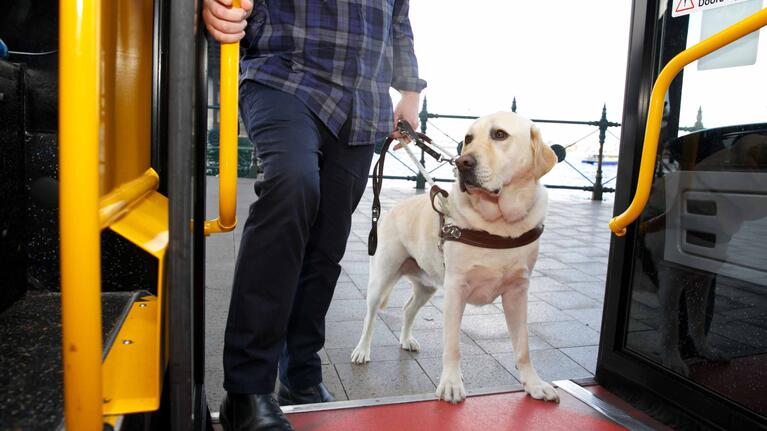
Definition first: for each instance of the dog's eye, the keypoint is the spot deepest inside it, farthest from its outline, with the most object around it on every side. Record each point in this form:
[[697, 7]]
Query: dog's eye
[[498, 135], [467, 139]]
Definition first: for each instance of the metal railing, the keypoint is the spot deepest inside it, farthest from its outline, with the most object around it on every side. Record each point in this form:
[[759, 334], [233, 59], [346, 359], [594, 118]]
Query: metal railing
[[248, 164], [597, 186], [602, 126]]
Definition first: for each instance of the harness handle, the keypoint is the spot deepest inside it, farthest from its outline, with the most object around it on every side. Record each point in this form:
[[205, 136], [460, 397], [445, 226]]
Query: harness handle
[[418, 139], [422, 141]]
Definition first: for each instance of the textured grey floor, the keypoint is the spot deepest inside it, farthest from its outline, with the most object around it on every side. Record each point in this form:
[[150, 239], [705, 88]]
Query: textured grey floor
[[565, 310], [31, 395]]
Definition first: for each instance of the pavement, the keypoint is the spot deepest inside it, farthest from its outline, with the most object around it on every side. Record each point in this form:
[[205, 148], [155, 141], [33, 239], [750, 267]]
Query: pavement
[[565, 307]]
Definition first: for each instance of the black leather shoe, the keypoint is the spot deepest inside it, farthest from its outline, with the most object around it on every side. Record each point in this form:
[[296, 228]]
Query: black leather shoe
[[242, 412], [310, 395]]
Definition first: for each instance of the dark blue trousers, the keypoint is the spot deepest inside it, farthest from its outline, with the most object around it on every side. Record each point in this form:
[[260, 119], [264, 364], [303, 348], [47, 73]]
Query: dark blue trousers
[[292, 242]]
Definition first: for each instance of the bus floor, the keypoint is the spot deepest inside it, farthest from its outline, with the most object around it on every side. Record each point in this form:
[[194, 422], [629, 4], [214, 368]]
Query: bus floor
[[482, 412], [30, 357]]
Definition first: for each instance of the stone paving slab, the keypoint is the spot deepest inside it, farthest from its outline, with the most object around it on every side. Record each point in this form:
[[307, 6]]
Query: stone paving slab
[[479, 371], [385, 378], [564, 310], [346, 334], [591, 317], [484, 326], [377, 354], [503, 345], [570, 333], [342, 310], [567, 300], [550, 364], [585, 356], [428, 318], [430, 341]]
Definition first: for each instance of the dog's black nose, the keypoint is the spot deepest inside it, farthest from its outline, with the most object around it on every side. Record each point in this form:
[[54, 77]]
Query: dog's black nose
[[466, 162]]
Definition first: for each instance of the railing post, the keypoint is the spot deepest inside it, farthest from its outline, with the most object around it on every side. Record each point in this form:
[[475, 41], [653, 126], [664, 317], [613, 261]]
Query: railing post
[[596, 194], [420, 181], [699, 120]]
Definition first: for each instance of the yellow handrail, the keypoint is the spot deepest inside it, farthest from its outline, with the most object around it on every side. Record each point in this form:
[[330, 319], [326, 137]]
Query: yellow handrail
[[79, 83], [118, 201], [227, 155], [652, 131]]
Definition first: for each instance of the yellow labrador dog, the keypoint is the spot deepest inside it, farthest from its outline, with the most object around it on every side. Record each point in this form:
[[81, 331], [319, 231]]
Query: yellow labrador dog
[[498, 191]]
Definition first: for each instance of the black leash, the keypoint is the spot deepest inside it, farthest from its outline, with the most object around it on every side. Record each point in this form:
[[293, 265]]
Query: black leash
[[420, 140]]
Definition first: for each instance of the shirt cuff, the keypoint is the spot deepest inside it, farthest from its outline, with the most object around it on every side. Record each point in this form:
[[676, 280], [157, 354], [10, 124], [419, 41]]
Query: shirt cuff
[[409, 84]]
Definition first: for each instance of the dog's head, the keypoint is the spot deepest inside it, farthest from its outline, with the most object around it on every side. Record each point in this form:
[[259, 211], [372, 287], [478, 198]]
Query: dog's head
[[501, 148]]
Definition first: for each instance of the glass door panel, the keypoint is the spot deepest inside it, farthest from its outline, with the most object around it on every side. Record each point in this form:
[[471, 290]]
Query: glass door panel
[[699, 284]]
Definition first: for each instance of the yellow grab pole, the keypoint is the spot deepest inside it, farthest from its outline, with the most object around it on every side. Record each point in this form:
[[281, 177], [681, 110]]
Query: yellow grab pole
[[79, 44], [227, 156], [652, 131]]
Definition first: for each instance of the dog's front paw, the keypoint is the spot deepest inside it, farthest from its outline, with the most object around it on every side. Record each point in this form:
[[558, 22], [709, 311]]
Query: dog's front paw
[[542, 391], [410, 344], [451, 388], [361, 355]]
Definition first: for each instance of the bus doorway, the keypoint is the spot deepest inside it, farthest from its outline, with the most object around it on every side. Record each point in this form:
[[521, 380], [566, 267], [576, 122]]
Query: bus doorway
[[686, 284]]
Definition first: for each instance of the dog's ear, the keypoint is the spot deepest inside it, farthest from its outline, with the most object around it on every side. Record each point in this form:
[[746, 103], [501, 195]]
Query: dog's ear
[[544, 158]]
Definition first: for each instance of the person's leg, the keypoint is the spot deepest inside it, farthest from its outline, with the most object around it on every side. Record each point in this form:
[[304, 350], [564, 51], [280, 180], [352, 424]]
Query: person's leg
[[274, 237], [343, 177]]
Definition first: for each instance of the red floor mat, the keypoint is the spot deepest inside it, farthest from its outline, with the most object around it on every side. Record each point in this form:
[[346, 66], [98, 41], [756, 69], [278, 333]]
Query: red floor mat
[[507, 411]]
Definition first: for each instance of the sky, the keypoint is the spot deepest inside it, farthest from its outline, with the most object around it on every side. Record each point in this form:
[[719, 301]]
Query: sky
[[561, 60]]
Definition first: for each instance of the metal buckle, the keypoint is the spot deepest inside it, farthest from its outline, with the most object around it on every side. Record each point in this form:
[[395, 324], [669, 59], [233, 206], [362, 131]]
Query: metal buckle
[[453, 231]]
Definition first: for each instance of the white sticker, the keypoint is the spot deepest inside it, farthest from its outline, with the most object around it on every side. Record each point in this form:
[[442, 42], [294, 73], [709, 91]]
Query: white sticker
[[686, 7], [742, 52]]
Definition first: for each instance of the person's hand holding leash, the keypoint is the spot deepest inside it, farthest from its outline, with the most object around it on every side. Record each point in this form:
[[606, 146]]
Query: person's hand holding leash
[[226, 23], [407, 109]]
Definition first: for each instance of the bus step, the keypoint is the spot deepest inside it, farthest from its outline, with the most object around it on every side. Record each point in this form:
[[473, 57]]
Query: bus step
[[30, 357]]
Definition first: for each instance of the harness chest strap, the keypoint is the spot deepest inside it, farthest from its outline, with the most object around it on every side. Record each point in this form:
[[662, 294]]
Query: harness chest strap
[[480, 238]]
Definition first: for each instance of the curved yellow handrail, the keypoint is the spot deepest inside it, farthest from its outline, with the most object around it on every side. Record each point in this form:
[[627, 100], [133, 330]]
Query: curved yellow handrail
[[652, 131], [227, 156]]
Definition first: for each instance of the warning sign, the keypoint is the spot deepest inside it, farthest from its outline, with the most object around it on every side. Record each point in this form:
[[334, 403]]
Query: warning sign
[[686, 7]]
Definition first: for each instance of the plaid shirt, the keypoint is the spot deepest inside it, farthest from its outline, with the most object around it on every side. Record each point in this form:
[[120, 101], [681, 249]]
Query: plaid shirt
[[340, 57]]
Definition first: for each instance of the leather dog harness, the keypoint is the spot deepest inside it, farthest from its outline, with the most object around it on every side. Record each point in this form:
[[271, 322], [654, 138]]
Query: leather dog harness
[[479, 238], [447, 232]]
